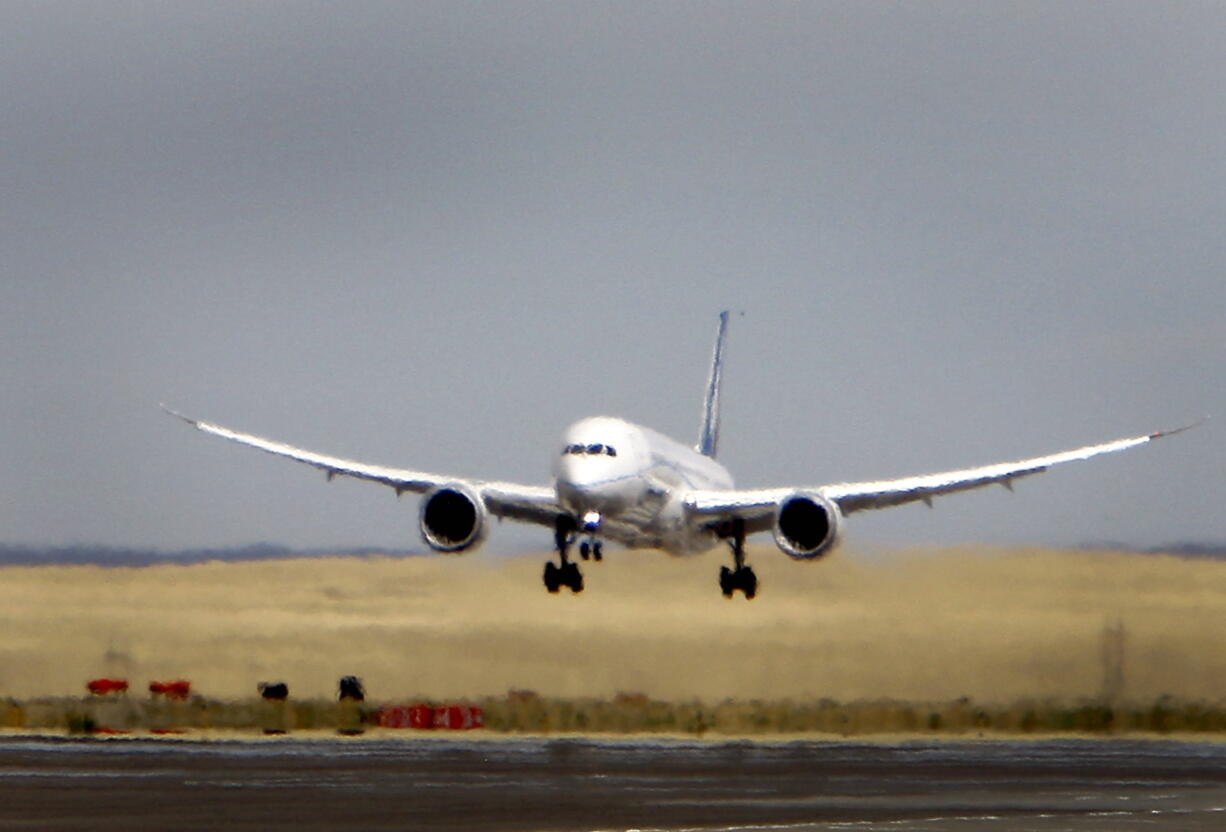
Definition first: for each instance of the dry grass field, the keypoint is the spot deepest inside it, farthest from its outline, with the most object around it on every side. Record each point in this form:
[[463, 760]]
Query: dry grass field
[[993, 624]]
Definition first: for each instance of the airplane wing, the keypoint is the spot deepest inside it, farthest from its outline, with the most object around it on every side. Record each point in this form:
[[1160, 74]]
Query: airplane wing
[[527, 503], [757, 506]]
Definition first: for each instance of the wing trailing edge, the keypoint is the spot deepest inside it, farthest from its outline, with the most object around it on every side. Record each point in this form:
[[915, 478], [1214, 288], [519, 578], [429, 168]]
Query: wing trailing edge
[[526, 503], [755, 506]]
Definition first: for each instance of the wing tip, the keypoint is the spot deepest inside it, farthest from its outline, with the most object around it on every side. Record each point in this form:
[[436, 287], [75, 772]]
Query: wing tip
[[1158, 434], [180, 416]]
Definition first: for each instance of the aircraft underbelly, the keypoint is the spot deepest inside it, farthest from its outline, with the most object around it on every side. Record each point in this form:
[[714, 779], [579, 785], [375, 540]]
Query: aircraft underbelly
[[659, 521], [645, 511]]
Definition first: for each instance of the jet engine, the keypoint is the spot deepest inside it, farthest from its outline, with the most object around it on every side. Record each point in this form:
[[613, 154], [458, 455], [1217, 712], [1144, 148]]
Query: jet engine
[[452, 518], [807, 525]]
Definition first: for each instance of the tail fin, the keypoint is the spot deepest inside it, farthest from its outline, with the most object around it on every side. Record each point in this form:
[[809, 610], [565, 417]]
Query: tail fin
[[708, 440]]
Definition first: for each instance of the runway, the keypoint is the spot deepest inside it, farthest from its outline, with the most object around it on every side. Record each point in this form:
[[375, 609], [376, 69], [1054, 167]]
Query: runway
[[583, 784]]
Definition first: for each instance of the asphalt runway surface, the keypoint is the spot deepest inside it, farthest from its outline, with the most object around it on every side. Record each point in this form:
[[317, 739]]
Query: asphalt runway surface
[[432, 783]]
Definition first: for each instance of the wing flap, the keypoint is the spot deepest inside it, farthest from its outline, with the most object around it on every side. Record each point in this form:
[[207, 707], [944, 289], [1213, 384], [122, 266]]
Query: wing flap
[[861, 496], [526, 503], [757, 506], [400, 479]]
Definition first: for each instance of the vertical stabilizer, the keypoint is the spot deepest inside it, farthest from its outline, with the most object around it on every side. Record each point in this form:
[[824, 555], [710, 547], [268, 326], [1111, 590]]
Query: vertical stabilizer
[[708, 440]]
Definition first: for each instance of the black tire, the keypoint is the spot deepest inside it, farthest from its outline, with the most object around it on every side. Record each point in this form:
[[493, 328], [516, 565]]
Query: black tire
[[727, 583], [749, 583], [553, 577], [597, 554], [573, 578], [584, 550]]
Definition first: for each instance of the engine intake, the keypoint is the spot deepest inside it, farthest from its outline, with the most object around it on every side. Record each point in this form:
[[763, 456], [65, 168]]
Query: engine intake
[[452, 518], [807, 525]]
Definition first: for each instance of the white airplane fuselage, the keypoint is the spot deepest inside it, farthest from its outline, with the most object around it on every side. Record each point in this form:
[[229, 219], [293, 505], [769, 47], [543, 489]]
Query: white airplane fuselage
[[625, 482], [621, 482]]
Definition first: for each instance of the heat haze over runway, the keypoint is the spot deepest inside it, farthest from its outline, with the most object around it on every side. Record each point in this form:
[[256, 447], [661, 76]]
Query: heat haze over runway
[[993, 624], [523, 785]]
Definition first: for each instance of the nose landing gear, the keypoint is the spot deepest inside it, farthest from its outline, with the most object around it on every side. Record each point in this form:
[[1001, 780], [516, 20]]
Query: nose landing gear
[[590, 550], [741, 577], [590, 525]]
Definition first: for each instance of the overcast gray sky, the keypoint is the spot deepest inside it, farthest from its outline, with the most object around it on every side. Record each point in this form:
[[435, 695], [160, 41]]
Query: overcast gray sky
[[434, 234]]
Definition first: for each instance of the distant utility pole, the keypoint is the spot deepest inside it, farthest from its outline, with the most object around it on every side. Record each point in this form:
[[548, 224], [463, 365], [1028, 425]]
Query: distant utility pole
[[1113, 661]]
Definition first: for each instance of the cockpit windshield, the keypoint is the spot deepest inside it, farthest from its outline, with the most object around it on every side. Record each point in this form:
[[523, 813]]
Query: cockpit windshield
[[590, 450]]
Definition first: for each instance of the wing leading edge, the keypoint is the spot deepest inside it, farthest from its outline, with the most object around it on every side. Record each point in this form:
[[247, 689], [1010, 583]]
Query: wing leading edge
[[526, 503], [757, 506]]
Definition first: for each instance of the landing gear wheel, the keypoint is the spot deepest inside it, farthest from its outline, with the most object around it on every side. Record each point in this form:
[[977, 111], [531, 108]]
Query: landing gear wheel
[[749, 583], [742, 578], [553, 577], [597, 555], [584, 550], [572, 577]]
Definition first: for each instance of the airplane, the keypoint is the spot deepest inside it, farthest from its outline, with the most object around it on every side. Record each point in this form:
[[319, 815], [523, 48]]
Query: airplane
[[617, 481]]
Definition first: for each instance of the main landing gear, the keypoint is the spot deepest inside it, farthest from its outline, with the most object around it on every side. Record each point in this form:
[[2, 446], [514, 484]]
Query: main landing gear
[[742, 577], [565, 573]]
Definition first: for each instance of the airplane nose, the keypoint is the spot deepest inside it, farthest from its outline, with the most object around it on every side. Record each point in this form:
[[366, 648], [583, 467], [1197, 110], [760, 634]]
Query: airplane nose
[[591, 495], [578, 475]]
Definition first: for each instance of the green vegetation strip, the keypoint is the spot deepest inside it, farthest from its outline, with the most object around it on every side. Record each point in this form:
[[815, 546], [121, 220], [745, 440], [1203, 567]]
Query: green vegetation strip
[[632, 715]]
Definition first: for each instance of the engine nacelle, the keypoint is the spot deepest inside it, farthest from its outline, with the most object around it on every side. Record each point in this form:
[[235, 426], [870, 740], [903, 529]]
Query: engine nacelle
[[452, 518], [807, 525]]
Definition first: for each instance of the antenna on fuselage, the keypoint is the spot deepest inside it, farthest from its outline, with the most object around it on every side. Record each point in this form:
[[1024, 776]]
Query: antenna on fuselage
[[708, 440]]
